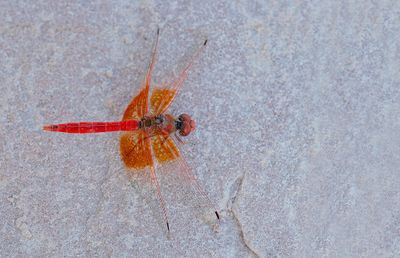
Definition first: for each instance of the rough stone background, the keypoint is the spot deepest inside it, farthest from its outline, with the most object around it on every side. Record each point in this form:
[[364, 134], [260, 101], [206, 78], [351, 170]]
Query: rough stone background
[[298, 140]]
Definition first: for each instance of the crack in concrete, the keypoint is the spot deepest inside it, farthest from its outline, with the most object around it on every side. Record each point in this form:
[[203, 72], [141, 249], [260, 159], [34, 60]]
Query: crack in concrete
[[96, 211], [21, 222], [236, 218]]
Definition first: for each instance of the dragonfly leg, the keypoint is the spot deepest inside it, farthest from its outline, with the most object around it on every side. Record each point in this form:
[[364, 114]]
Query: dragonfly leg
[[180, 139]]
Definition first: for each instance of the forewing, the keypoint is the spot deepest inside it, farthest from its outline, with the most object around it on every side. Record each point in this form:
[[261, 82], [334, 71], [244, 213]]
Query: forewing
[[164, 149], [162, 97], [186, 197]]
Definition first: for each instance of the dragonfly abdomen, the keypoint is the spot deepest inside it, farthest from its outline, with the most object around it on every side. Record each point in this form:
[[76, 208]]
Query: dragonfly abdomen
[[93, 127]]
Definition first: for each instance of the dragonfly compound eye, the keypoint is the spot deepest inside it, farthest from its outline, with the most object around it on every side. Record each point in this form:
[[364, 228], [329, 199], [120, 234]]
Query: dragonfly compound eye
[[187, 125]]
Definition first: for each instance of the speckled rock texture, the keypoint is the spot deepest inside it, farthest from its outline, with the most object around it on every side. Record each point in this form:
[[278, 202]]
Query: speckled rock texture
[[298, 137]]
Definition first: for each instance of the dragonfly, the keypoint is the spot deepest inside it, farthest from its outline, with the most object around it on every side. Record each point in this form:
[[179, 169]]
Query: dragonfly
[[149, 132]]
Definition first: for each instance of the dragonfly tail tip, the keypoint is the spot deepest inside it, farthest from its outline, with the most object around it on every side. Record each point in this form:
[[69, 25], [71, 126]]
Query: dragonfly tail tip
[[49, 128]]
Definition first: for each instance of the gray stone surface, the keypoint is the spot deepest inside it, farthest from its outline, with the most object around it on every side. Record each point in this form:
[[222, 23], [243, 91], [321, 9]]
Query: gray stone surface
[[298, 140]]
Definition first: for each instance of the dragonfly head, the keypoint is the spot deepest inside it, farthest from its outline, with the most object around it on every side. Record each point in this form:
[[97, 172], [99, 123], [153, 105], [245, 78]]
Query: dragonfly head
[[185, 125]]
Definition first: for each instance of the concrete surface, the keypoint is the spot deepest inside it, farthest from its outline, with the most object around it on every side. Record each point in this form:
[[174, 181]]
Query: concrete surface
[[298, 140]]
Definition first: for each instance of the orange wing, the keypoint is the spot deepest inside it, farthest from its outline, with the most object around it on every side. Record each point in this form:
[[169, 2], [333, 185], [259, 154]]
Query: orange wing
[[162, 98], [136, 154], [164, 149], [135, 146], [138, 106], [135, 150]]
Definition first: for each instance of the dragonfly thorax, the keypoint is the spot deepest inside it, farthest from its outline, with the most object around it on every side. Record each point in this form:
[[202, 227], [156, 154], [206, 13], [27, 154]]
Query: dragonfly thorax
[[167, 124], [152, 121]]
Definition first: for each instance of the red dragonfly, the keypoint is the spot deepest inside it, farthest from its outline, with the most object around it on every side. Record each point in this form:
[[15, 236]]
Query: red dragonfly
[[149, 134]]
